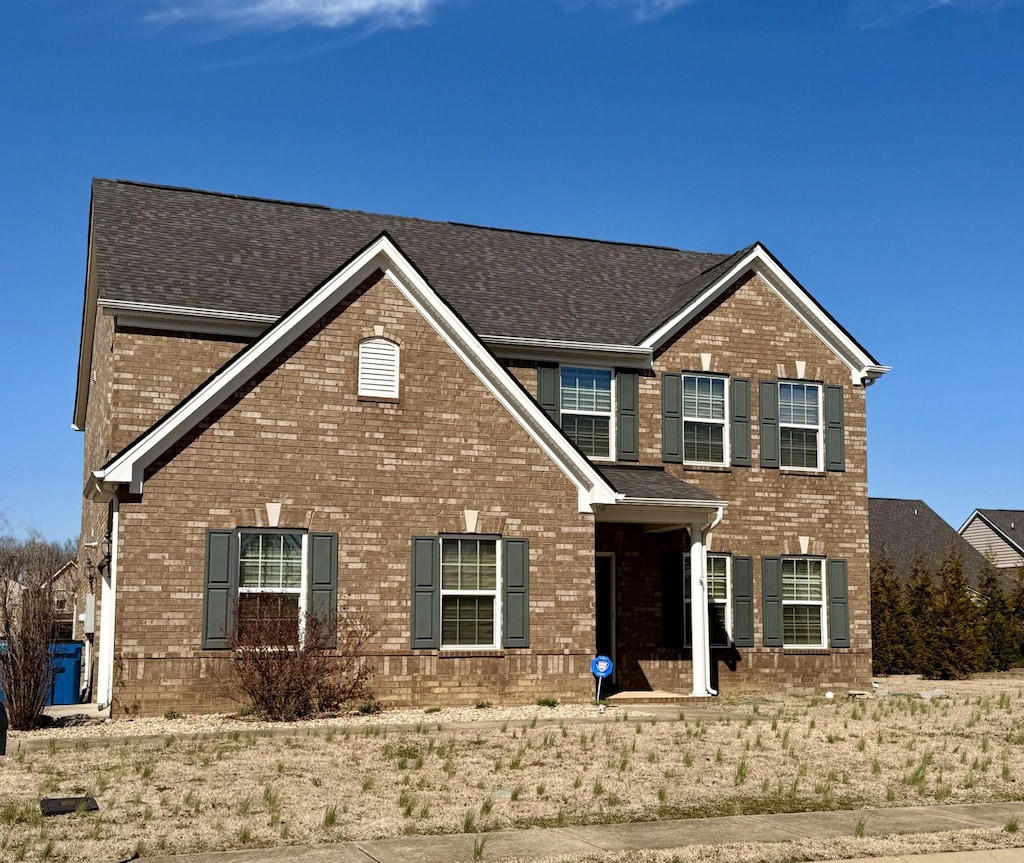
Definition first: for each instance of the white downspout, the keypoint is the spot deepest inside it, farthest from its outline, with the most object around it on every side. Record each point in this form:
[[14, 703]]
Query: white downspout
[[108, 603], [717, 520]]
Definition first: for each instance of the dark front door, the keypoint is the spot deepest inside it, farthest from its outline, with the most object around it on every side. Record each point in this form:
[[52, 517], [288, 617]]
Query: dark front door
[[604, 579]]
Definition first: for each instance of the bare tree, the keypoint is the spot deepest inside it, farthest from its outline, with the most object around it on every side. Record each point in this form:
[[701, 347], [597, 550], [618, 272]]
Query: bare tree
[[27, 616]]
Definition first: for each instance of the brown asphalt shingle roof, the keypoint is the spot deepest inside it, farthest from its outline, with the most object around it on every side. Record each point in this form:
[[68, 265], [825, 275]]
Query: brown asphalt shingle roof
[[652, 483], [181, 247], [903, 528]]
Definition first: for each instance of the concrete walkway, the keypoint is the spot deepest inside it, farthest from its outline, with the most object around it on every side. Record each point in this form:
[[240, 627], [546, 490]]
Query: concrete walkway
[[534, 844]]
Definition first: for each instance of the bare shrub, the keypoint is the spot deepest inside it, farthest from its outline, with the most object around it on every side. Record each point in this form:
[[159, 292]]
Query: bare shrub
[[283, 677], [27, 618]]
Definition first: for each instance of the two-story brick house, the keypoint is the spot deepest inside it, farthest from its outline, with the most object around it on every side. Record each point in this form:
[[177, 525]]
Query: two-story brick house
[[513, 450]]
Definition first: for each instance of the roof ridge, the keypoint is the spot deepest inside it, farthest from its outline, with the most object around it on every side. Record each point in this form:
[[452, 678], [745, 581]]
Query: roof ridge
[[301, 204]]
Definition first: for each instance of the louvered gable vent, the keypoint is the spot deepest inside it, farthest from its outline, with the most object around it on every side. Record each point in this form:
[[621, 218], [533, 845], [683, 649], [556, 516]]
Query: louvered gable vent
[[378, 369]]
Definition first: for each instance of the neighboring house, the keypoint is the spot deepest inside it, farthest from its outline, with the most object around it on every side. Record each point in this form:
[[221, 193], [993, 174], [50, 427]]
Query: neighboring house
[[68, 600], [998, 534], [909, 529], [512, 450]]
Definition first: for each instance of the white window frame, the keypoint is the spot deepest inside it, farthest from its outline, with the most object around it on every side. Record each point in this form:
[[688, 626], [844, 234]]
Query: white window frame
[[724, 422], [495, 594], [818, 428], [302, 589], [562, 411], [379, 360], [727, 602], [806, 603]]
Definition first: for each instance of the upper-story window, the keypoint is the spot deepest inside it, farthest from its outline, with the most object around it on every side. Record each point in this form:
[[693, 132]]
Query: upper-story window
[[378, 368], [800, 435], [586, 409], [704, 419]]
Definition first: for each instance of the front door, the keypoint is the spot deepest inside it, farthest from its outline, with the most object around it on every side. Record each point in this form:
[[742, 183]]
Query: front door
[[604, 580]]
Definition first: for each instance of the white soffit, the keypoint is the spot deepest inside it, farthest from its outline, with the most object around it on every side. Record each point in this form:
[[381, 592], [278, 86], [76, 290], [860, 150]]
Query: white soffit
[[130, 464], [862, 367]]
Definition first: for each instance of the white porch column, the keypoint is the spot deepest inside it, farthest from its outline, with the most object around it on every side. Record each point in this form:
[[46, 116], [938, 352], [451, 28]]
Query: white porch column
[[699, 639], [108, 600]]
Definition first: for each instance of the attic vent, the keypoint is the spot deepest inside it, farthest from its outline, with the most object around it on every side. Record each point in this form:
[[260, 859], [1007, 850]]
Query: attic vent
[[378, 369]]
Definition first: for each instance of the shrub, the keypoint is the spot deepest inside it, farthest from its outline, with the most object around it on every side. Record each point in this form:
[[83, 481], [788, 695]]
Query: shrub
[[284, 677]]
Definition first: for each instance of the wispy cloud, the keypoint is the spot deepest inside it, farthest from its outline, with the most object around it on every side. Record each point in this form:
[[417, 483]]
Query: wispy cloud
[[291, 13], [642, 10], [868, 14]]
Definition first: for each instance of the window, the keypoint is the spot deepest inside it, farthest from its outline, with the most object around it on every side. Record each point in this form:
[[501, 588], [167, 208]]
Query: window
[[800, 426], [586, 409], [378, 369], [469, 592], [719, 587], [704, 413], [803, 602], [280, 578], [270, 570]]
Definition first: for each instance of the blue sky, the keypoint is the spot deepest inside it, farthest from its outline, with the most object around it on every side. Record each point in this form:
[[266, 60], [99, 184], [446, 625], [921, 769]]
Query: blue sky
[[875, 146]]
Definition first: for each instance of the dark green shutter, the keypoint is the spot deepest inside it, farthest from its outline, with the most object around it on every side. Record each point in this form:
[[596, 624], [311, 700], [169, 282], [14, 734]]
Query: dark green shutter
[[743, 601], [739, 398], [835, 445], [426, 627], [548, 389], [769, 424], [628, 443], [672, 610], [323, 584], [517, 593], [672, 418], [838, 604], [220, 589], [771, 598]]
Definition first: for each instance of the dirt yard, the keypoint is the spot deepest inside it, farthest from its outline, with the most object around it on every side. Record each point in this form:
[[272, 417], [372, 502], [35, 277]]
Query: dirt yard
[[195, 784]]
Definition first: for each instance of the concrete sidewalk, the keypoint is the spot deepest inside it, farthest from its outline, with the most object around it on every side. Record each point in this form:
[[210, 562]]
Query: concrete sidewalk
[[534, 844]]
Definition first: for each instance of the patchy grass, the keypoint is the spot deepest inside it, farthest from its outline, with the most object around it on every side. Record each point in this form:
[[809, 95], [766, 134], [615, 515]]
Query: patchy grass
[[363, 778]]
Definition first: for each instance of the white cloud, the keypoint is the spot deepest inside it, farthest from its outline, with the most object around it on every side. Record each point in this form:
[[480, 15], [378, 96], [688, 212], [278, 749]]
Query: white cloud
[[642, 10], [289, 13], [868, 14]]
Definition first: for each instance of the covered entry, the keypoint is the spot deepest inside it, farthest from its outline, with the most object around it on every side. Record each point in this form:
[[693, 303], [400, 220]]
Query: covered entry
[[659, 519]]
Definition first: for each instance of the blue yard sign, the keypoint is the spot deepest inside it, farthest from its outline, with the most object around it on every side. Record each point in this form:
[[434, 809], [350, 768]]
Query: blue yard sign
[[601, 667]]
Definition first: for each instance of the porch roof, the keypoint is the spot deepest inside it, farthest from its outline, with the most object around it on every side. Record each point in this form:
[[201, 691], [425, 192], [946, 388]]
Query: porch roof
[[655, 484]]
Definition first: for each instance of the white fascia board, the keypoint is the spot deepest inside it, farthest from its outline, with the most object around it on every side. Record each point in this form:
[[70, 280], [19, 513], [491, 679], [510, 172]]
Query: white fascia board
[[563, 351], [862, 367], [656, 511], [1010, 541], [383, 255], [85, 346], [971, 518]]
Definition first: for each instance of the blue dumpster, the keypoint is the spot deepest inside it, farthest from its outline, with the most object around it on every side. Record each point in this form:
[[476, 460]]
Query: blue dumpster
[[66, 662]]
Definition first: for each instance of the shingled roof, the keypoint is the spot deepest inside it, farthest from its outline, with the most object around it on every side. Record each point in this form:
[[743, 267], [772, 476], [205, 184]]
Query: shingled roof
[[201, 250], [903, 528], [1009, 522], [653, 483]]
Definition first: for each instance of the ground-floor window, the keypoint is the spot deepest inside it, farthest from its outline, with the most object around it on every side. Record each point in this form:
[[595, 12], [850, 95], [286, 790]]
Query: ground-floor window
[[469, 592], [719, 587], [803, 602]]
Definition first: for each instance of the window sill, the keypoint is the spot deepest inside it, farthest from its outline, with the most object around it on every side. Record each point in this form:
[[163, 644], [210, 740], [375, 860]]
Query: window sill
[[378, 400], [707, 468], [806, 651], [470, 652], [795, 471]]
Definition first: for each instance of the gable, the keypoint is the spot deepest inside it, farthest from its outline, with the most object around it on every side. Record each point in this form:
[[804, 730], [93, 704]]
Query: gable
[[381, 256], [994, 533]]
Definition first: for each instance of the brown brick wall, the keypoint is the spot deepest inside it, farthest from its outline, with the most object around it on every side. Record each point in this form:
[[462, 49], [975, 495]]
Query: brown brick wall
[[377, 473], [751, 333]]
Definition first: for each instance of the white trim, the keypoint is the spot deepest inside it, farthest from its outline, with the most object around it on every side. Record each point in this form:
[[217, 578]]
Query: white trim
[[130, 464], [589, 354], [379, 361], [496, 594], [594, 414], [819, 428], [805, 603], [158, 309], [863, 368], [108, 608], [725, 423]]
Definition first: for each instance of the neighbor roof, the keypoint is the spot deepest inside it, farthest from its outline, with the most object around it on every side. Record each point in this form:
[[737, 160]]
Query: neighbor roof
[[904, 528], [192, 249], [1009, 522]]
